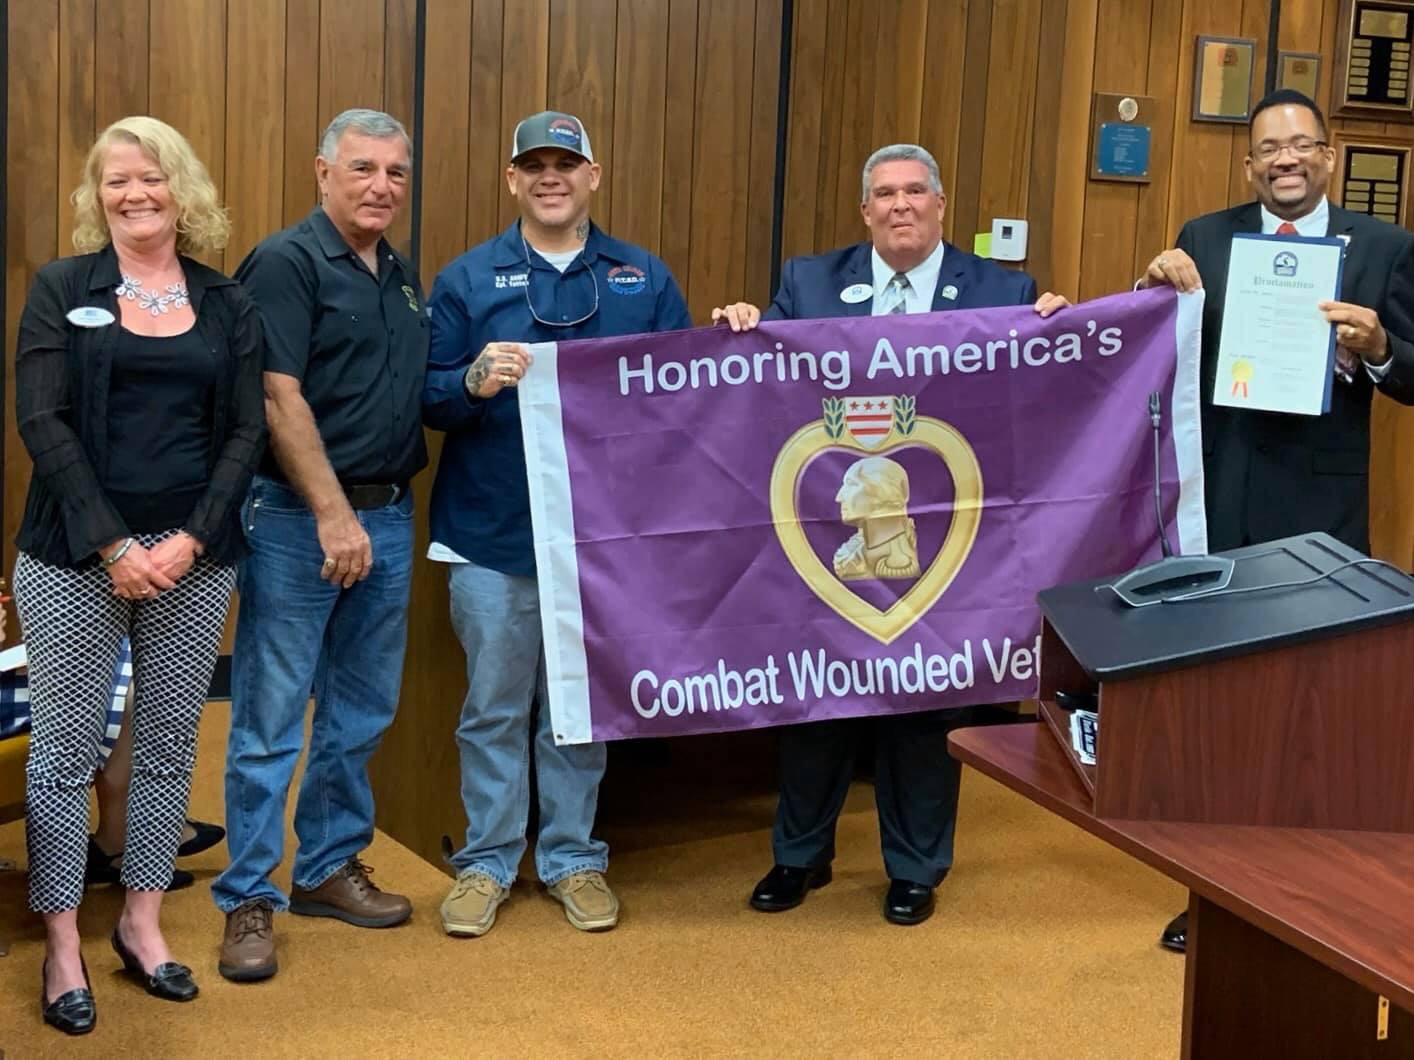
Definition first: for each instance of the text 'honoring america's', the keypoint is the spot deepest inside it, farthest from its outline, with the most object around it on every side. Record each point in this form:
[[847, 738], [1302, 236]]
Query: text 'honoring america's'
[[834, 369], [829, 518]]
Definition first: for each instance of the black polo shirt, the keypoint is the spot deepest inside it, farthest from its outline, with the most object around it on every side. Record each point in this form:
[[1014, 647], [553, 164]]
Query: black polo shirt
[[358, 345]]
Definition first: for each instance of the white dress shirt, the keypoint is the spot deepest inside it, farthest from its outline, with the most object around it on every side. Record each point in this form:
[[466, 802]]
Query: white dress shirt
[[922, 283]]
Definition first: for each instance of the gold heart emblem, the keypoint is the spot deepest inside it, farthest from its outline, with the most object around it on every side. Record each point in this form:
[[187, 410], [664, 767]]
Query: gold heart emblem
[[906, 429]]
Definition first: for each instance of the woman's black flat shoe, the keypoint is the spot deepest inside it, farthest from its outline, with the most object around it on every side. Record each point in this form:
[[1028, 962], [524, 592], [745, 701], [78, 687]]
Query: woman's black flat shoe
[[100, 868], [74, 1012], [207, 836], [169, 981]]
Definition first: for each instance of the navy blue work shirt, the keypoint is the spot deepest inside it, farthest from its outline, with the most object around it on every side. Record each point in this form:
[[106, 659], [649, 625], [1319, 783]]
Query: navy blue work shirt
[[357, 343], [480, 500]]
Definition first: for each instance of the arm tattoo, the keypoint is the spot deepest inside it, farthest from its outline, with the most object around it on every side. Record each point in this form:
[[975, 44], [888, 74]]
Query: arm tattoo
[[581, 230], [476, 375]]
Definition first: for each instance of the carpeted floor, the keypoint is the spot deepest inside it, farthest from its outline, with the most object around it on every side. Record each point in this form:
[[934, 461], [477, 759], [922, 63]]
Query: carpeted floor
[[1043, 945]]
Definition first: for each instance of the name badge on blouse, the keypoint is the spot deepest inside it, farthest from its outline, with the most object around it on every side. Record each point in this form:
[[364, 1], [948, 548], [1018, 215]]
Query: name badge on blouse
[[90, 316]]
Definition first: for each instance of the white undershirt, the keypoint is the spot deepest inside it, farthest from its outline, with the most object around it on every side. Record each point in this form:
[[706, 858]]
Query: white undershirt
[[561, 259]]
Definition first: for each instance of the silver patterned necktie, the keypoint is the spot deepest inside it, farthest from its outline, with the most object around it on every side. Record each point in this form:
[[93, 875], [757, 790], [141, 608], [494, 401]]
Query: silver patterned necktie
[[895, 294]]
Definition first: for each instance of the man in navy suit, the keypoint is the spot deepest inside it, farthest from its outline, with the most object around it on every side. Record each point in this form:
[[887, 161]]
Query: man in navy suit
[[905, 267], [1269, 475]]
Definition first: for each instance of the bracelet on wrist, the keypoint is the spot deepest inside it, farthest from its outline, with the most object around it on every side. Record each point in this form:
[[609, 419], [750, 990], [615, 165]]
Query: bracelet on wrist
[[118, 553]]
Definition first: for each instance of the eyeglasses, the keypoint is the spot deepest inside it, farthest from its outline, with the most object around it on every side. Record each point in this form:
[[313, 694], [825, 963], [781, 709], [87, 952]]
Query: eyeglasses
[[1301, 147], [530, 302]]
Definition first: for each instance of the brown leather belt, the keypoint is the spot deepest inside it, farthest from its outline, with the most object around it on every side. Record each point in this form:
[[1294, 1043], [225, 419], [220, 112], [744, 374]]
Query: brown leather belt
[[373, 496]]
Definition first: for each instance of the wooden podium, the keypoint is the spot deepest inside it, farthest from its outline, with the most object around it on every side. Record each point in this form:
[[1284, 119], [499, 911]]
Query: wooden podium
[[1284, 707], [1258, 747]]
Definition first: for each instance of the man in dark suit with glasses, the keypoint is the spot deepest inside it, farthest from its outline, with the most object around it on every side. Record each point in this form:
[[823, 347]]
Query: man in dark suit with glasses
[[552, 276], [1270, 475]]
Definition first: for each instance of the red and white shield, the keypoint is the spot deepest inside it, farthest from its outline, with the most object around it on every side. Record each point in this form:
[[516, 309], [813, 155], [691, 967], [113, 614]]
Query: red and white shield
[[870, 419]]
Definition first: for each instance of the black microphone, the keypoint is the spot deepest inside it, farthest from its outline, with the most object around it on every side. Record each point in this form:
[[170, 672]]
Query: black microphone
[[1155, 418]]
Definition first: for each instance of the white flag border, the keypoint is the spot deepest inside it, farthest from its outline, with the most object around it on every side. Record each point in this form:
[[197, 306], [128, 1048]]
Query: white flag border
[[557, 568], [1187, 424]]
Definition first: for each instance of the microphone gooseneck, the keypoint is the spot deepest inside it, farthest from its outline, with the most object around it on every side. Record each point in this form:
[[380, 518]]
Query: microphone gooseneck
[[1155, 418]]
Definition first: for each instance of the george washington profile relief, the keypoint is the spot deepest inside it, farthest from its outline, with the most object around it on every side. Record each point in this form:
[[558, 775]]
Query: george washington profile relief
[[874, 498]]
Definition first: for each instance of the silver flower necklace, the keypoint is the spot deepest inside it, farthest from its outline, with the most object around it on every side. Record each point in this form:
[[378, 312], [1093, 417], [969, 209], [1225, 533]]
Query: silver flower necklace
[[173, 296]]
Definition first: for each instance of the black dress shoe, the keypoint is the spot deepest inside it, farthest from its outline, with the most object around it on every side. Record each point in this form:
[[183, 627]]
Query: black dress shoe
[[207, 836], [170, 981], [1175, 936], [785, 886], [908, 902], [73, 1012], [100, 867]]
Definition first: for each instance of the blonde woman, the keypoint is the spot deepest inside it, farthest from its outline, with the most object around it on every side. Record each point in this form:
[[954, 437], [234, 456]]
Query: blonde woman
[[138, 395]]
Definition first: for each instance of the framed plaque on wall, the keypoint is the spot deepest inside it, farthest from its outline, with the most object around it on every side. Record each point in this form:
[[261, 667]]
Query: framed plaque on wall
[[1372, 60], [1372, 176], [1301, 71], [1222, 79]]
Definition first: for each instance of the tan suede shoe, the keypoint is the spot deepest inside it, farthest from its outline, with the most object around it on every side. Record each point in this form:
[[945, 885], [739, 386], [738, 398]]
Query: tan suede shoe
[[470, 907], [589, 904], [248, 947], [349, 895]]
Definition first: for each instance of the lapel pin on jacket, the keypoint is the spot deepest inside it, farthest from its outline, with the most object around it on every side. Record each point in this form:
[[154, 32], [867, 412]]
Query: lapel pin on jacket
[[950, 293], [856, 293]]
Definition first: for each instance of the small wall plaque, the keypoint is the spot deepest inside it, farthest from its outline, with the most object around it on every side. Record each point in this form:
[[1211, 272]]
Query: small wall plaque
[[1222, 79], [1299, 70], [1372, 60], [1121, 137]]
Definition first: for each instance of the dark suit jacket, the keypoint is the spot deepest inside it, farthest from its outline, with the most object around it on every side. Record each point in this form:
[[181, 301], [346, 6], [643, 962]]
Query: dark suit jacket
[[1272, 475], [811, 285]]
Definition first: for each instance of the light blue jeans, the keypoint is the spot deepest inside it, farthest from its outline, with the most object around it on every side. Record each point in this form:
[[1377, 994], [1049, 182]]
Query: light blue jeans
[[298, 635], [497, 619]]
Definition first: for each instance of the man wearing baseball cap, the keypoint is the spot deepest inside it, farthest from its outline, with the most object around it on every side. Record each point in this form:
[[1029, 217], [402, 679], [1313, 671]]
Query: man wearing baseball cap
[[553, 275]]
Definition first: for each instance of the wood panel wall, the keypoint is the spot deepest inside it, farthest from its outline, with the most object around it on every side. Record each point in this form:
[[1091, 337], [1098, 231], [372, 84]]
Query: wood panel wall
[[1000, 91], [680, 98]]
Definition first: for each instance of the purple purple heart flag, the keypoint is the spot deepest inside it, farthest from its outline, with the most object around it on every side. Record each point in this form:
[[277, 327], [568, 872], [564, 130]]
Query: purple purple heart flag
[[829, 518]]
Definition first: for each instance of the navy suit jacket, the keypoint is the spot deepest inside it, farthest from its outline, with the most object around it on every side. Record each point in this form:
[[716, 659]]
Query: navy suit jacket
[[1270, 475], [811, 284]]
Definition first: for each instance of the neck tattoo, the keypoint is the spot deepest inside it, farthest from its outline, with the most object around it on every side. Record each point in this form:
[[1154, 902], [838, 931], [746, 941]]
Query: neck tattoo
[[581, 230], [174, 296]]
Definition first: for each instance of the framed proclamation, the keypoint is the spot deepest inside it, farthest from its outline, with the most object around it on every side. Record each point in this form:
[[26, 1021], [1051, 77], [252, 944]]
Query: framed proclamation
[[1372, 58], [1372, 175]]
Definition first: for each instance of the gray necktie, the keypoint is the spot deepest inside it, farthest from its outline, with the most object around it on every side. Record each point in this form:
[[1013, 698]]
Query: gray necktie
[[894, 294]]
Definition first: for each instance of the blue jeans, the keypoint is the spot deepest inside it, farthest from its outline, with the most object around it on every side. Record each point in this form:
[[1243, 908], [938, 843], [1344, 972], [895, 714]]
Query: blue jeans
[[497, 620], [298, 635]]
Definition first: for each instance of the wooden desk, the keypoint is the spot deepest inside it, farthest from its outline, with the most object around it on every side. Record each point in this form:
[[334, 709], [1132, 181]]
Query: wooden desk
[[1294, 935]]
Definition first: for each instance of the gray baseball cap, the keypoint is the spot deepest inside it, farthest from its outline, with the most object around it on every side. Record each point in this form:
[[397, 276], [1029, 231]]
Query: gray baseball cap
[[551, 128]]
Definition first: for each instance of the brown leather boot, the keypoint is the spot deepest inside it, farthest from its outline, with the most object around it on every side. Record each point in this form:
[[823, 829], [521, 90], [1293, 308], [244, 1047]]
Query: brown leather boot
[[349, 895], [248, 948]]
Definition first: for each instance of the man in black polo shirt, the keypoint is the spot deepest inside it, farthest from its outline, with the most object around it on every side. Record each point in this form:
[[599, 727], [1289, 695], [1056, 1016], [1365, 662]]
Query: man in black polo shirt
[[324, 590]]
